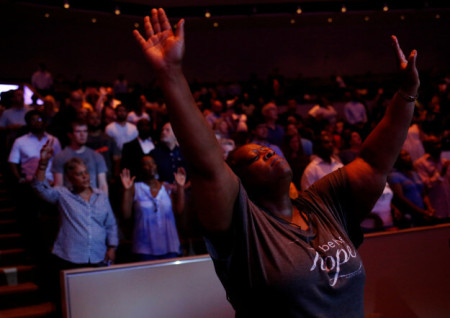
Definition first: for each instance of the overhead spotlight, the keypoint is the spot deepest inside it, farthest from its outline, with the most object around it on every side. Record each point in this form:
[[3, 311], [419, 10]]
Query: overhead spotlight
[[385, 8], [299, 10], [207, 14], [117, 10], [66, 4], [343, 9]]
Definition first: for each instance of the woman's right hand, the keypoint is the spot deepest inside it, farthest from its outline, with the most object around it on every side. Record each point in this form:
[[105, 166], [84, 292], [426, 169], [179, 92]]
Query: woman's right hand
[[127, 180], [163, 48]]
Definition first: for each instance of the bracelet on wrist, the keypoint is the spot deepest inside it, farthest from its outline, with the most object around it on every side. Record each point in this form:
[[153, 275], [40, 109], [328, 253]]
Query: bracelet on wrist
[[407, 97]]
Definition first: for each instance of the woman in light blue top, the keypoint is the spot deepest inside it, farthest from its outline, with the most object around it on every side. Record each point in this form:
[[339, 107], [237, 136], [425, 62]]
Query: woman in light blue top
[[153, 204]]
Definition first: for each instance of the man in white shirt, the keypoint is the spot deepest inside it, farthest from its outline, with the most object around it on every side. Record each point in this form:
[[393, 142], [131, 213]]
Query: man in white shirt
[[25, 152], [322, 163], [121, 130]]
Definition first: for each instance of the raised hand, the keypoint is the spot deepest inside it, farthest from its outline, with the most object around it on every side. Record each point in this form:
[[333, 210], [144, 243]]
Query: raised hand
[[163, 48], [47, 151], [127, 181], [180, 176], [409, 75]]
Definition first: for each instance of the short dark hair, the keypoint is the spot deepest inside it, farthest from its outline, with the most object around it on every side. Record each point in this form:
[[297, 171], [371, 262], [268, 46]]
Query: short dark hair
[[77, 122], [32, 113]]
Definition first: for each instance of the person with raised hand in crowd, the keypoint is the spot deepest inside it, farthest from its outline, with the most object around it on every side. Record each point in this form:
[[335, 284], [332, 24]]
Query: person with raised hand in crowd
[[153, 205], [87, 234], [273, 255]]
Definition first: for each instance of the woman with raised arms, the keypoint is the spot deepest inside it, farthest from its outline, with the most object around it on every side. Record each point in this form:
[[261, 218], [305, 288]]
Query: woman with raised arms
[[277, 257]]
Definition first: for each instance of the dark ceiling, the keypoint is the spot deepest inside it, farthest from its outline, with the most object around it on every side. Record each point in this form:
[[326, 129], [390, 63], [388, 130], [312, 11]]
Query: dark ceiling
[[229, 8]]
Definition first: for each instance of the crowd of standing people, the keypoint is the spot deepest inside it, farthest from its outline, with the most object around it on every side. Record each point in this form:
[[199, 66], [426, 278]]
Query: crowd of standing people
[[99, 156]]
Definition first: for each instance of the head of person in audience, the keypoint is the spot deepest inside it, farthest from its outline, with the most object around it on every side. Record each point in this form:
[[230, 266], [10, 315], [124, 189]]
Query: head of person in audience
[[270, 111], [109, 94], [82, 113], [168, 136], [76, 100], [78, 134], [259, 129], [222, 128], [36, 122], [291, 129], [404, 162], [121, 113], [76, 173], [292, 106], [94, 121], [292, 144], [323, 146], [108, 115], [144, 128], [353, 140], [216, 106], [148, 168], [49, 107], [433, 146], [17, 100]]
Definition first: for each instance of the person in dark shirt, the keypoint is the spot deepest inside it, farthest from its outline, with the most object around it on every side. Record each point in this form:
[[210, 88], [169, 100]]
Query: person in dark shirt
[[276, 257], [167, 155]]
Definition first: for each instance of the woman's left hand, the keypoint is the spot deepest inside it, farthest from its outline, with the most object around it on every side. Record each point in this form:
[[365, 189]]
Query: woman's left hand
[[180, 176], [409, 75]]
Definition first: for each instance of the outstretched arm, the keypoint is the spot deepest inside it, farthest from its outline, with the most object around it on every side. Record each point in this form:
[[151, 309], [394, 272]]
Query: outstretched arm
[[367, 174], [214, 186], [127, 193]]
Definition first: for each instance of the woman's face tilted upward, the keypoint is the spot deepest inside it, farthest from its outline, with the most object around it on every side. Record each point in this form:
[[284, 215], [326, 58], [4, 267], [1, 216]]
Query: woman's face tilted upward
[[260, 167]]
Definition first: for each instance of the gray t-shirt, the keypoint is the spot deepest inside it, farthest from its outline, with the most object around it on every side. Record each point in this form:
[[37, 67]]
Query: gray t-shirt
[[93, 160], [270, 268]]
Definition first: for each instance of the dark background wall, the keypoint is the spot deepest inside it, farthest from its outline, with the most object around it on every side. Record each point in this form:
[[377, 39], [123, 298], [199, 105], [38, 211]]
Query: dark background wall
[[70, 44]]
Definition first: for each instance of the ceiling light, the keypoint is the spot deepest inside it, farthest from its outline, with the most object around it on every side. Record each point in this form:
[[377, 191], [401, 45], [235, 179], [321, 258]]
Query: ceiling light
[[66, 4]]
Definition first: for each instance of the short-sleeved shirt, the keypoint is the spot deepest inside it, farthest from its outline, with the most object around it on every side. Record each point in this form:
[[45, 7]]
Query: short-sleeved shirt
[[94, 162], [26, 151], [14, 116], [270, 268], [121, 134], [106, 146], [412, 187]]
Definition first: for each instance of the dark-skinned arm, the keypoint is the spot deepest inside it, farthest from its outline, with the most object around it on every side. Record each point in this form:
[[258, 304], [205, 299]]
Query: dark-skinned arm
[[214, 185], [367, 174]]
